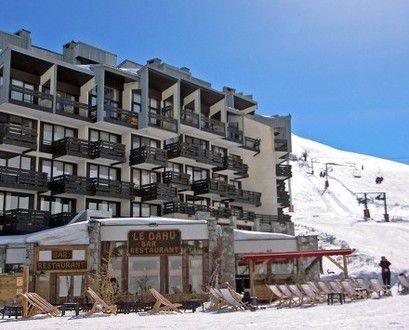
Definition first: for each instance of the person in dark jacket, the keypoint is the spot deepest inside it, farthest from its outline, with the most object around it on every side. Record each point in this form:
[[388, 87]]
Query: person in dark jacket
[[386, 272]]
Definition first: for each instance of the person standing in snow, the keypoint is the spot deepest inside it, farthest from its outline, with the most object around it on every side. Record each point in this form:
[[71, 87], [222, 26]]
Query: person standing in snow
[[386, 272]]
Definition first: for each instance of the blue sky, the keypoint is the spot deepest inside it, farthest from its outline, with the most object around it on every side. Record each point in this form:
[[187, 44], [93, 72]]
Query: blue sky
[[339, 67]]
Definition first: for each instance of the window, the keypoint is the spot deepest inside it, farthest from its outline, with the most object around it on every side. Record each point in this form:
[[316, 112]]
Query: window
[[24, 96], [55, 168], [11, 201], [175, 272], [196, 173], [144, 272], [145, 210], [142, 177], [95, 135], [65, 102], [196, 273], [51, 133], [17, 161], [139, 141], [103, 172], [101, 205], [57, 205], [136, 101]]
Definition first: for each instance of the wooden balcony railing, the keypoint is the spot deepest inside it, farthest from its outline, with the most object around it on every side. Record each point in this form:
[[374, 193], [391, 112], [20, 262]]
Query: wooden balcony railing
[[212, 126], [189, 118], [70, 184], [281, 145], [177, 178], [157, 191], [74, 109], [30, 97], [162, 120], [18, 135], [23, 221], [147, 154], [120, 116], [111, 188], [23, 179], [283, 171]]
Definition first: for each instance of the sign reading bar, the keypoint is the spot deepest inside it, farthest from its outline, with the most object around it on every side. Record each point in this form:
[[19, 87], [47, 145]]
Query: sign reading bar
[[149, 242], [64, 254]]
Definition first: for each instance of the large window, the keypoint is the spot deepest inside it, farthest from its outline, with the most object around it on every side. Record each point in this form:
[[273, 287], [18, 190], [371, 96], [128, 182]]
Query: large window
[[11, 201], [175, 273], [95, 135], [56, 205], [145, 210], [101, 205], [8, 159], [136, 101], [197, 173], [140, 141], [51, 133], [142, 177], [21, 96], [103, 172], [55, 168], [144, 272]]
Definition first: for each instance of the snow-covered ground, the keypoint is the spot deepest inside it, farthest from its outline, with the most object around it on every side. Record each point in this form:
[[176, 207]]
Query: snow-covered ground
[[336, 217]]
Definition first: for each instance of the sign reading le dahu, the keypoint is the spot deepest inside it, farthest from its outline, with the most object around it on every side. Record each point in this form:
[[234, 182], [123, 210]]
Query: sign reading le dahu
[[159, 242]]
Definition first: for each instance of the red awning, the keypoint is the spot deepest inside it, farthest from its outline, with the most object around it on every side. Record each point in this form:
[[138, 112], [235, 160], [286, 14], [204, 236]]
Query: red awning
[[296, 254]]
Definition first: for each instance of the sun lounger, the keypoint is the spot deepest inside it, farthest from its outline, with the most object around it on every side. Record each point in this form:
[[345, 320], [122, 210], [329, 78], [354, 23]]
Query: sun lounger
[[281, 297], [377, 286], [233, 299], [403, 284], [313, 295], [100, 305], [34, 304], [162, 304], [286, 291]]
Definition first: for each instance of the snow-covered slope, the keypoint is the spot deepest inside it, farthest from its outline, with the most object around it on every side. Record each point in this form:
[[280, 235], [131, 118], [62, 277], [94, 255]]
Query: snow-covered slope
[[334, 214]]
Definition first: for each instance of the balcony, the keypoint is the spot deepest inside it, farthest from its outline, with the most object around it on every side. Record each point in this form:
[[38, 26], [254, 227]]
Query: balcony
[[234, 167], [180, 180], [61, 219], [120, 116], [189, 118], [247, 197], [24, 221], [31, 98], [18, 136], [108, 150], [111, 188], [148, 157], [214, 188], [283, 172], [157, 192], [190, 154], [281, 145], [224, 212], [212, 126], [75, 147], [23, 179], [183, 208], [163, 120], [70, 184], [283, 198], [76, 110]]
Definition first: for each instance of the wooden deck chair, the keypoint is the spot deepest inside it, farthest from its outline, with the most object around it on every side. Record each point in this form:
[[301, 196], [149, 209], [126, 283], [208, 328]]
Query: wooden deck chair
[[301, 297], [377, 286], [313, 295], [162, 304], [233, 299], [286, 291], [364, 284], [403, 284], [324, 286], [217, 302], [315, 287], [34, 304], [100, 305], [281, 297], [349, 291]]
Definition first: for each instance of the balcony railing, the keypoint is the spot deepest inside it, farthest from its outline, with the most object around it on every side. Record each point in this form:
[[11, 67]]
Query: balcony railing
[[234, 134], [210, 157], [181, 180], [283, 171], [70, 184], [224, 212], [18, 135], [281, 145], [111, 188], [283, 198], [158, 192], [89, 149], [120, 116], [208, 186], [74, 109], [108, 150], [252, 144], [248, 197], [212, 126], [235, 165], [61, 219], [183, 208], [162, 120], [30, 97], [24, 221], [147, 154], [189, 118], [23, 179]]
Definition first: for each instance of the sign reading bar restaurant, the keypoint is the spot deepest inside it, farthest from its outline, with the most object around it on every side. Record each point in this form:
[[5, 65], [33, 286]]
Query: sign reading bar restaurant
[[150, 242], [61, 259]]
